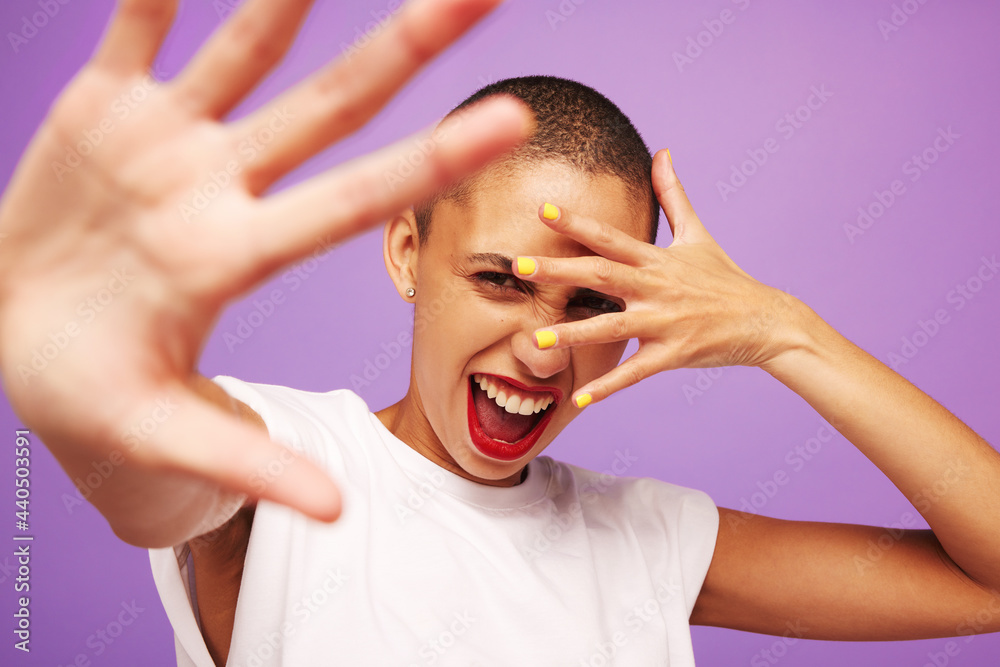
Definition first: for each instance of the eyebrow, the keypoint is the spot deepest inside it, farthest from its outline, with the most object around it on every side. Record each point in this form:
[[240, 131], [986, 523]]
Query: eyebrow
[[492, 259]]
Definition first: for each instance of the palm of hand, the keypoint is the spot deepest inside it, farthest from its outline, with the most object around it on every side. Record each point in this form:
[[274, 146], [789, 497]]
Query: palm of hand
[[117, 260]]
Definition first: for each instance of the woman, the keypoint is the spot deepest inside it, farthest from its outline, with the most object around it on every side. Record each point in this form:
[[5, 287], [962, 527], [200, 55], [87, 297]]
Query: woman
[[179, 292]]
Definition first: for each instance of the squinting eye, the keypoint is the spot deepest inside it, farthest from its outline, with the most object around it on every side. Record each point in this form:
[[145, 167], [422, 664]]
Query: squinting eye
[[497, 279], [595, 304]]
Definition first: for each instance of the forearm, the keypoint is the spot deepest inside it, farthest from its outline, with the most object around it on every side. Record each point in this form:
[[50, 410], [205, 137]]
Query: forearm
[[949, 473]]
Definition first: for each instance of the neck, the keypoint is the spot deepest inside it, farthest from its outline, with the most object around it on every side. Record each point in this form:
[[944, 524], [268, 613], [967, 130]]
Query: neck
[[407, 421]]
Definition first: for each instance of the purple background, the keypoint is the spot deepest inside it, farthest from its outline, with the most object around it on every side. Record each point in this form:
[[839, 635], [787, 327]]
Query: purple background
[[785, 226]]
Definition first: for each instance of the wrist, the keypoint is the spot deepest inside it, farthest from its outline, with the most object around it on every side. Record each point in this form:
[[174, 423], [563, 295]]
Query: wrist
[[798, 336]]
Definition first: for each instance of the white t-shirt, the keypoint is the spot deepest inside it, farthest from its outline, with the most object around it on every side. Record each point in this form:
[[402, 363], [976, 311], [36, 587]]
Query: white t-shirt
[[425, 567]]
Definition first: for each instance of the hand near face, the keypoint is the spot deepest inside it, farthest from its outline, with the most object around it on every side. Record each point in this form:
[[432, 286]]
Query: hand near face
[[116, 261], [688, 305]]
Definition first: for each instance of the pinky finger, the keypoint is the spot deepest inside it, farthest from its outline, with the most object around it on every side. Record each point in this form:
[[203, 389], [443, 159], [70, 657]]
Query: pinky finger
[[629, 372]]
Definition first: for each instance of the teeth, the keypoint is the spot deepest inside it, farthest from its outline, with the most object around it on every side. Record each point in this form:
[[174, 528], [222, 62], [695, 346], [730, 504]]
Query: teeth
[[512, 403]]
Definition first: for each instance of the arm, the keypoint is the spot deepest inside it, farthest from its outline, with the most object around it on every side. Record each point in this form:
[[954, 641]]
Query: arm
[[117, 266], [949, 473], [691, 306], [818, 581], [923, 583]]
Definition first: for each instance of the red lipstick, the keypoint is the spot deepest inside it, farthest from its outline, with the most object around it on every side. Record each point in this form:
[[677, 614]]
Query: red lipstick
[[505, 451]]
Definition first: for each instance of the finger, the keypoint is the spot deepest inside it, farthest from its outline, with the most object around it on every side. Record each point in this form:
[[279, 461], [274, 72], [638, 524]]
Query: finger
[[135, 35], [684, 223], [193, 436], [607, 328], [600, 237], [239, 54], [344, 96], [360, 193], [636, 368], [590, 271]]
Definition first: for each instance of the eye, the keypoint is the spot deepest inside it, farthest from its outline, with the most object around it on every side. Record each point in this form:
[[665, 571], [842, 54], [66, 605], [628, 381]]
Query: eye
[[590, 305], [498, 280]]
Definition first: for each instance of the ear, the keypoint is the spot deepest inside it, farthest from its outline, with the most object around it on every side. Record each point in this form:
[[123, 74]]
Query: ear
[[400, 248]]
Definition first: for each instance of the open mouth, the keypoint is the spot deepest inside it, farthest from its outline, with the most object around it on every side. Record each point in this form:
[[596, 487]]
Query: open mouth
[[506, 418]]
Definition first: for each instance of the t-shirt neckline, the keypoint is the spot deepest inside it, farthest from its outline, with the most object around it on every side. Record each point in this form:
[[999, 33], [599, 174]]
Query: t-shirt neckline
[[421, 468]]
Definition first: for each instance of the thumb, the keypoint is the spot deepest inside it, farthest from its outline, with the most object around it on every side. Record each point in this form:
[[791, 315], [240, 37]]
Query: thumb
[[200, 439]]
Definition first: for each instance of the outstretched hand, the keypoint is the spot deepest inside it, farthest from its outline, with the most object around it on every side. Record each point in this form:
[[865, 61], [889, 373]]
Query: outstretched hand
[[117, 259], [689, 305]]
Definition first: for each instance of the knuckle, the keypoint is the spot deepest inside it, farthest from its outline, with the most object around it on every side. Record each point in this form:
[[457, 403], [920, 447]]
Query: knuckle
[[255, 40], [618, 327], [566, 338], [414, 41], [343, 112], [655, 256], [603, 269], [340, 95], [438, 170], [600, 389], [631, 373], [605, 234]]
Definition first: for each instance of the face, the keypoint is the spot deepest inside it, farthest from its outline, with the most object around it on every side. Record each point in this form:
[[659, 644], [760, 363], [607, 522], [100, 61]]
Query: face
[[474, 322]]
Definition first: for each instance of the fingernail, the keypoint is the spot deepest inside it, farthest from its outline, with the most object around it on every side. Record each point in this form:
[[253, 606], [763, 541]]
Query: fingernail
[[550, 211], [545, 339], [669, 157], [583, 400], [525, 266]]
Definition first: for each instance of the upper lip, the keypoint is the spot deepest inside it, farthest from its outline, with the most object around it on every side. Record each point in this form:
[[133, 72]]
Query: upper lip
[[556, 393]]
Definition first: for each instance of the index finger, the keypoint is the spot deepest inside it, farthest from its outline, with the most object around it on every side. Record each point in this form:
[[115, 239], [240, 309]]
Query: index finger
[[602, 238]]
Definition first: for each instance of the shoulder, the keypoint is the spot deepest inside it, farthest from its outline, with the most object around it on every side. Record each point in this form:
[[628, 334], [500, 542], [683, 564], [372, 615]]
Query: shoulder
[[275, 401], [675, 528], [607, 490], [658, 512], [306, 421]]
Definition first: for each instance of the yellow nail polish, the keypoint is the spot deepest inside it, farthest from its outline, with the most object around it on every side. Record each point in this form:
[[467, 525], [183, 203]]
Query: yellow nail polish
[[583, 400], [545, 339], [525, 266], [550, 212]]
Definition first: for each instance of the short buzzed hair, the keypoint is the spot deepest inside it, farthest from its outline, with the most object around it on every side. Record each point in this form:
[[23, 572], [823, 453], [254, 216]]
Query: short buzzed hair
[[574, 124]]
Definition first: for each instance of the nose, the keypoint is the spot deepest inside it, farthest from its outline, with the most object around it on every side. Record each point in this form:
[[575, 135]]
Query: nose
[[539, 363]]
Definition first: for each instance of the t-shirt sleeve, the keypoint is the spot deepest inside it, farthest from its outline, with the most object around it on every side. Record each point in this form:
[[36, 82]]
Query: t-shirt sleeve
[[679, 527], [698, 529]]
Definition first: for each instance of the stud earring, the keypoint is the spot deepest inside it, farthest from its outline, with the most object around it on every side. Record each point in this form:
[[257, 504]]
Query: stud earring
[[410, 292]]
